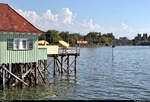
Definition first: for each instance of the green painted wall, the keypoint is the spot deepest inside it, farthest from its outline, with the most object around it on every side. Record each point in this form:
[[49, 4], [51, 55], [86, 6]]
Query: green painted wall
[[12, 56], [42, 53]]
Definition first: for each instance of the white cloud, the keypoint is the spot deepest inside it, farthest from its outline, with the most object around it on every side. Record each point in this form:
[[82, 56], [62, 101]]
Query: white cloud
[[65, 16], [63, 21], [124, 26]]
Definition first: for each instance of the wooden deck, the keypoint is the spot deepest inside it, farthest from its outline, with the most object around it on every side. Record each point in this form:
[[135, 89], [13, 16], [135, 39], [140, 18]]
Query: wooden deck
[[72, 51]]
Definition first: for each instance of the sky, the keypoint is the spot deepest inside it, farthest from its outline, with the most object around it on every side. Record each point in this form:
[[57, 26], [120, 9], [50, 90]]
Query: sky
[[124, 18]]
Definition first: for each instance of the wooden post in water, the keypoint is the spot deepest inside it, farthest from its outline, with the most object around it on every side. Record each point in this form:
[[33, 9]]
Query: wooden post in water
[[62, 63], [45, 71], [30, 80], [68, 61], [36, 73], [21, 76], [54, 71], [9, 68], [75, 64], [3, 76]]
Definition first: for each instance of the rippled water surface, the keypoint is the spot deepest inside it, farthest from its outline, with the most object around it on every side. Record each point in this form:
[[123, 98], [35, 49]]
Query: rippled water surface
[[103, 73]]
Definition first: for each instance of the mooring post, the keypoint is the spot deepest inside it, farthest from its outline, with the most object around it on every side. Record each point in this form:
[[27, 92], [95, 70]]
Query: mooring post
[[68, 61], [75, 64], [54, 71], [3, 72], [62, 63]]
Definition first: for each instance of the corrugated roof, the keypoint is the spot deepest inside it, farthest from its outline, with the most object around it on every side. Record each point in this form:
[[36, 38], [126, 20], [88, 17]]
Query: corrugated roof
[[11, 21]]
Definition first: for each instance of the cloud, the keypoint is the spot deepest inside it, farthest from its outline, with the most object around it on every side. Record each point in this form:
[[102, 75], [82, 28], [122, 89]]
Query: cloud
[[65, 16], [124, 26], [64, 20]]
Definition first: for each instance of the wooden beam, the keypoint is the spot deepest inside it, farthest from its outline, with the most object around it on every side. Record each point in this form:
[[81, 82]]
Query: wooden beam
[[24, 75], [41, 74], [75, 65], [49, 64], [4, 68], [45, 71], [21, 66], [54, 69], [68, 61], [36, 73], [62, 60], [57, 67], [4, 73]]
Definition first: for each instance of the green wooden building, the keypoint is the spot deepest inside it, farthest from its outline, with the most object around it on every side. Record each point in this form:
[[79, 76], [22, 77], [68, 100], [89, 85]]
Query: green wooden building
[[18, 38]]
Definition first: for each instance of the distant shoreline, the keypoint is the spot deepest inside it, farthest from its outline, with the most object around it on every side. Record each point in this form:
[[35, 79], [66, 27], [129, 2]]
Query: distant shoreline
[[95, 46]]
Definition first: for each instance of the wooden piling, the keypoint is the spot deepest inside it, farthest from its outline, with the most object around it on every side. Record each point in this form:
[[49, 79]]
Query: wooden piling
[[36, 73], [54, 71], [3, 76], [68, 61], [45, 71], [21, 76], [30, 79], [62, 63], [75, 65]]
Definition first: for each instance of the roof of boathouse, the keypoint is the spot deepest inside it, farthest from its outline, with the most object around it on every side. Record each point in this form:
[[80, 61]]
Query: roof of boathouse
[[11, 21]]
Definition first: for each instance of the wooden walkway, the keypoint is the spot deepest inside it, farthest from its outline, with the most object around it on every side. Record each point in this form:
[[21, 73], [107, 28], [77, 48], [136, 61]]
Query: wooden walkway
[[73, 51], [61, 61]]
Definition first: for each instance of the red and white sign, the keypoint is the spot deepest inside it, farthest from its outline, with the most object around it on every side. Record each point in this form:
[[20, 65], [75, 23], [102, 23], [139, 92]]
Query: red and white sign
[[82, 42]]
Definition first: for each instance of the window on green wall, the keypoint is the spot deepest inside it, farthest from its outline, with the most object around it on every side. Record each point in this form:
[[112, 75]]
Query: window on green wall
[[20, 44]]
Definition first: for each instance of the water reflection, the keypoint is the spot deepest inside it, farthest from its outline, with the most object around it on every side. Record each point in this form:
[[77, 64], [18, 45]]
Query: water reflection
[[59, 87], [112, 57]]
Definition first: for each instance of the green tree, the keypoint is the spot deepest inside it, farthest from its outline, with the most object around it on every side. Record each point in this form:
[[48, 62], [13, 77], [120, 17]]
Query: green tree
[[108, 38], [42, 37], [64, 36], [52, 36], [74, 37], [93, 37]]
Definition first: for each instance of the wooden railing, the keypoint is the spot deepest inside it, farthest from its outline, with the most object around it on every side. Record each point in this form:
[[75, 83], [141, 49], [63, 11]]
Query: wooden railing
[[69, 50]]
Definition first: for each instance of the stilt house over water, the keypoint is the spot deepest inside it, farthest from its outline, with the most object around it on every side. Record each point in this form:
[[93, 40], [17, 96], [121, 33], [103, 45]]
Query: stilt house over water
[[18, 38], [22, 61], [19, 51]]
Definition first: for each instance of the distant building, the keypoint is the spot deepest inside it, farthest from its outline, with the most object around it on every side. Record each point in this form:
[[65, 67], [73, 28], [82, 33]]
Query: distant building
[[122, 41]]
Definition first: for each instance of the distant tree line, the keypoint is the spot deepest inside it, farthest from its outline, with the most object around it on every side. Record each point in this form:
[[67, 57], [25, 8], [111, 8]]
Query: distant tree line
[[93, 38], [141, 40]]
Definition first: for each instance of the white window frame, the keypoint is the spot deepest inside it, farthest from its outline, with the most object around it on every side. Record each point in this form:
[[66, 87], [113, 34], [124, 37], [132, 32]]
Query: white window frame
[[20, 46]]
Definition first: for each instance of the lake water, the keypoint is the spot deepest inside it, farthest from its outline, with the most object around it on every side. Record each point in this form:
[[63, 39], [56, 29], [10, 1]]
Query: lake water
[[102, 73]]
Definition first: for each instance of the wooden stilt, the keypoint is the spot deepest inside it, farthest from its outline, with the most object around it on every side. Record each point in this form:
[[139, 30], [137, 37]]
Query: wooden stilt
[[26, 67], [16, 72], [45, 71], [3, 72], [75, 65], [21, 66], [17, 78], [36, 73], [62, 63], [54, 71], [8, 81], [58, 69], [40, 73], [30, 79], [68, 61]]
